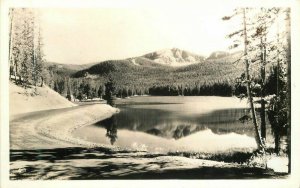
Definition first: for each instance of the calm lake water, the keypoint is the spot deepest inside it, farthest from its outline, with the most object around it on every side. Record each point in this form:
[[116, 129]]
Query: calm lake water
[[175, 123]]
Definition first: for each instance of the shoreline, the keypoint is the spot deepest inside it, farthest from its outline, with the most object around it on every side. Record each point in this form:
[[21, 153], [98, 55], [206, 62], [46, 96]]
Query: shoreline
[[53, 128]]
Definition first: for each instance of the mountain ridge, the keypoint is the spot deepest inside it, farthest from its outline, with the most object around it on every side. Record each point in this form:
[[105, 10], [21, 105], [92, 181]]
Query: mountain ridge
[[174, 57], [218, 54], [148, 72]]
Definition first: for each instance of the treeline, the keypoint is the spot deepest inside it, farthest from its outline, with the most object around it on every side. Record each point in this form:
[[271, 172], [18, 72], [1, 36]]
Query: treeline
[[77, 89], [84, 88], [88, 89], [206, 89]]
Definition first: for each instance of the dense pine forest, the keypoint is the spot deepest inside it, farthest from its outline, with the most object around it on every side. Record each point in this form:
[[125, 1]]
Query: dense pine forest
[[213, 77]]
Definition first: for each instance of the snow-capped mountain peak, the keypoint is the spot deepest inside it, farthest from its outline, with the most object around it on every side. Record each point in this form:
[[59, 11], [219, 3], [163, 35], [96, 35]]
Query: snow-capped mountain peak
[[174, 57]]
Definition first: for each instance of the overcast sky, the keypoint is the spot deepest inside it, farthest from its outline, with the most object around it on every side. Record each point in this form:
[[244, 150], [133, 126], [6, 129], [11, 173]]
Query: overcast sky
[[78, 36]]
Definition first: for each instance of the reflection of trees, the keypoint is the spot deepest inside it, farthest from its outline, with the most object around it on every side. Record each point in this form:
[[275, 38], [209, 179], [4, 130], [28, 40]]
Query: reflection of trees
[[111, 129], [141, 119]]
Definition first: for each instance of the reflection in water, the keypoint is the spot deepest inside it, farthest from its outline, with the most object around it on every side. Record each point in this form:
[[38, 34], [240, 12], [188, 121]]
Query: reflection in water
[[111, 128], [184, 130], [170, 124], [165, 127], [181, 131]]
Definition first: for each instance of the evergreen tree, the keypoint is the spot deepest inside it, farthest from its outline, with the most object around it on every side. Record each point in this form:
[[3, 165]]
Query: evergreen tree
[[244, 33], [110, 92], [25, 46]]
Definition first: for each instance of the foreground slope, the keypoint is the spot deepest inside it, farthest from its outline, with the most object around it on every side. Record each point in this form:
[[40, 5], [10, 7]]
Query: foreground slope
[[29, 100], [53, 128]]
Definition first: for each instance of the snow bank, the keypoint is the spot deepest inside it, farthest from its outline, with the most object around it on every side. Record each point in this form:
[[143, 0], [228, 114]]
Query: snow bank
[[60, 127], [278, 164], [53, 129], [28, 100], [74, 168]]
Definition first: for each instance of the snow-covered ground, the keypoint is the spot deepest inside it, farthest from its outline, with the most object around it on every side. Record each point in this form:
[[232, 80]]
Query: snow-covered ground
[[278, 163], [23, 100], [42, 118], [100, 163], [78, 169], [53, 128]]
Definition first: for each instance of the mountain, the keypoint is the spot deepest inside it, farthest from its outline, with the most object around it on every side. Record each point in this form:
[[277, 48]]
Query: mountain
[[145, 72], [60, 70], [68, 67], [143, 75], [218, 54], [215, 75], [174, 57]]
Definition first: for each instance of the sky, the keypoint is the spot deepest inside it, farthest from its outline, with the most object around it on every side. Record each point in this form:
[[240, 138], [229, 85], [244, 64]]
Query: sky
[[87, 35]]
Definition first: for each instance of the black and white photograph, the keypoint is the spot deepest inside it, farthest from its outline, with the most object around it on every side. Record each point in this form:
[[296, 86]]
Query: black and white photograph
[[190, 91]]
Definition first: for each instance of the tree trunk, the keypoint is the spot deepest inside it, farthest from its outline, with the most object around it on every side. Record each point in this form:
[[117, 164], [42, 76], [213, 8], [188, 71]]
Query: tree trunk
[[257, 134], [288, 28], [42, 81], [274, 116], [273, 119], [10, 41], [277, 141], [263, 73], [15, 73], [263, 119]]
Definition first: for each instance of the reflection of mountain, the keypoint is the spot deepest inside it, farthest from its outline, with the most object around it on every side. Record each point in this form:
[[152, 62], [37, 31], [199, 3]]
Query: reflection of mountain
[[175, 129], [169, 125], [181, 132], [155, 131]]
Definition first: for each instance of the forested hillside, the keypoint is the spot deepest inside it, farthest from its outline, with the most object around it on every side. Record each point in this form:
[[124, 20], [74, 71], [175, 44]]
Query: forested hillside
[[217, 75], [140, 75]]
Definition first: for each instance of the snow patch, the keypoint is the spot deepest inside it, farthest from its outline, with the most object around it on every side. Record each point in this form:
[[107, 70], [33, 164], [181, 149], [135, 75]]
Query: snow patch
[[133, 62], [174, 57], [278, 164], [23, 100]]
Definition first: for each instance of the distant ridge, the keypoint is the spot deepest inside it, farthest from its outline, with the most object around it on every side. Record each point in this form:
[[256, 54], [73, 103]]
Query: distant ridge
[[218, 54], [174, 57], [75, 67]]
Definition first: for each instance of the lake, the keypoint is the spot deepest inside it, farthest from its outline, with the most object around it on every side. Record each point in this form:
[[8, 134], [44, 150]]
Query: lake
[[166, 124]]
